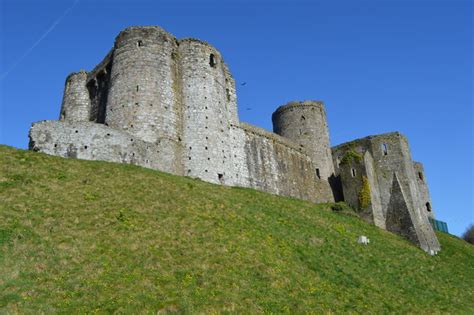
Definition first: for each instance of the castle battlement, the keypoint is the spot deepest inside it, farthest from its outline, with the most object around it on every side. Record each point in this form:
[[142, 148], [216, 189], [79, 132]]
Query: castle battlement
[[170, 104]]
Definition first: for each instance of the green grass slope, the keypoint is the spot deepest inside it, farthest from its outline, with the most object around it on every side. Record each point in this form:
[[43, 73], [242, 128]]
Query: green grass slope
[[95, 237]]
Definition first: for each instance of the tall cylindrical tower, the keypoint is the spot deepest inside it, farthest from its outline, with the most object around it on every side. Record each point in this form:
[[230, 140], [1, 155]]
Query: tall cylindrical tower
[[209, 109], [143, 98], [76, 104], [305, 124]]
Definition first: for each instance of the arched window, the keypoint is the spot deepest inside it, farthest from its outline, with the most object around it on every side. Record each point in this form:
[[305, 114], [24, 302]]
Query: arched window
[[428, 207], [212, 60]]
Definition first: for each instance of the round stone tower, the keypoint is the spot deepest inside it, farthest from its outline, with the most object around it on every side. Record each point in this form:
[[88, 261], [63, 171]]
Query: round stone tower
[[76, 104], [209, 109], [142, 98], [305, 124]]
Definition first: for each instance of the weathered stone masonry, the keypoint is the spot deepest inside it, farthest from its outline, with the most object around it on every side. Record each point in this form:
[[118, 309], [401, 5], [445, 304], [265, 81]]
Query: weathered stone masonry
[[171, 105]]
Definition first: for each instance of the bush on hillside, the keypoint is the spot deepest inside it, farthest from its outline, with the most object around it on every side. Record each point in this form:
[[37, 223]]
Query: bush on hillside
[[341, 206], [468, 236]]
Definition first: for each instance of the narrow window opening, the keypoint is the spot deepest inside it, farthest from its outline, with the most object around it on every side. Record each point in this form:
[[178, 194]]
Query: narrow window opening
[[139, 43], [428, 207], [138, 88], [221, 178], [205, 148], [384, 149], [303, 118], [189, 158], [212, 60], [420, 175], [318, 173], [227, 92], [353, 171]]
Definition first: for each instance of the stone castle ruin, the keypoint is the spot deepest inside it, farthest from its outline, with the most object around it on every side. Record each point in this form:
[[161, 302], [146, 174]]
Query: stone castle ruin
[[171, 105]]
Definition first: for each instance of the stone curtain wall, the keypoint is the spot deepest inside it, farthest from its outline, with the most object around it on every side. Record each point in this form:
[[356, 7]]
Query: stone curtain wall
[[91, 141], [277, 166]]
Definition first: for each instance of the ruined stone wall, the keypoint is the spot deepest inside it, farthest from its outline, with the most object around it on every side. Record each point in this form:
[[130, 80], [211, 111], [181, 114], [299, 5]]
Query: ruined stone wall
[[98, 84], [424, 193], [360, 186], [208, 113], [376, 208], [397, 184], [92, 141], [305, 124], [76, 104]]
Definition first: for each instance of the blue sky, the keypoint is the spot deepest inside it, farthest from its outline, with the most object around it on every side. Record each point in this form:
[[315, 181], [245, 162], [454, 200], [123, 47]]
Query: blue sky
[[379, 66]]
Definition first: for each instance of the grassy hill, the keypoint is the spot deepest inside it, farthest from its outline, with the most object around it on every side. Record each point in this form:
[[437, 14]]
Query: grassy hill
[[81, 236]]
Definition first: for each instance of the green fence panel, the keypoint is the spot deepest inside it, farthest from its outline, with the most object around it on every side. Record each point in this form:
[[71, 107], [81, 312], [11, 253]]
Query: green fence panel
[[439, 225]]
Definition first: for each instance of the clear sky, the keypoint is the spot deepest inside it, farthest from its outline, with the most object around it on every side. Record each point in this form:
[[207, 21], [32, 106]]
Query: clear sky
[[379, 66]]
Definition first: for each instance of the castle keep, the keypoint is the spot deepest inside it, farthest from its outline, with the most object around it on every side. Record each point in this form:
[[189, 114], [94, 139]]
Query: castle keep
[[171, 105]]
